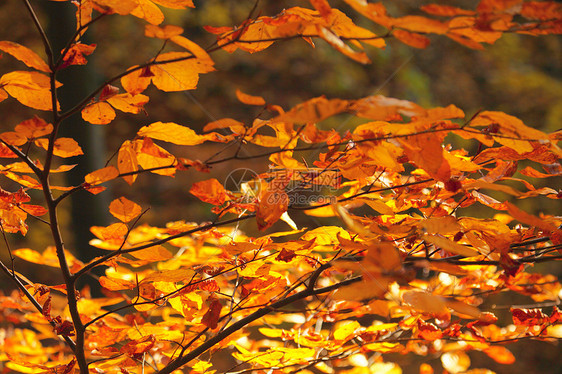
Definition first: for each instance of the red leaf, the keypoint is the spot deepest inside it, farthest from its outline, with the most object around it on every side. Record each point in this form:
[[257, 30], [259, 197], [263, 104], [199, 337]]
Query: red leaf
[[528, 317], [211, 317]]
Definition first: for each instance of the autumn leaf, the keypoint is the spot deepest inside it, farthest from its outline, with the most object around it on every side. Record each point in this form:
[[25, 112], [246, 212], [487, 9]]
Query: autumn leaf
[[64, 147], [210, 191], [34, 128], [76, 54], [180, 74], [127, 161], [30, 88], [100, 113], [26, 55], [172, 133], [249, 99], [211, 317], [124, 209], [102, 175], [272, 203]]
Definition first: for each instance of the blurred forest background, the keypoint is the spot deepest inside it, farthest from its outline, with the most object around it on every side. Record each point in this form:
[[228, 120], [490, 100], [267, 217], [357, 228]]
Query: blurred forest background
[[519, 75]]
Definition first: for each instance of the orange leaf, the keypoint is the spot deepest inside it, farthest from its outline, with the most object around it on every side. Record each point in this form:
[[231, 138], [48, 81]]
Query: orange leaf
[[140, 346], [124, 209], [249, 99], [322, 7], [411, 39], [202, 55], [154, 158], [64, 147], [164, 32], [445, 10], [34, 210], [100, 113], [148, 11], [450, 246], [175, 4], [426, 302], [500, 354], [171, 132], [153, 254], [137, 81], [114, 233], [426, 369], [13, 138], [234, 126], [76, 54], [210, 191], [127, 161], [122, 7], [179, 75], [30, 88], [115, 284], [128, 103], [272, 203], [101, 175], [529, 219], [34, 128], [26, 55]]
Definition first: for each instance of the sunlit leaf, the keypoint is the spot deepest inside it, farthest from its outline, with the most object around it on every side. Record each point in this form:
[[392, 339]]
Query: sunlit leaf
[[209, 191], [124, 209], [100, 113], [249, 99], [102, 175], [26, 55], [127, 162], [172, 133], [180, 74], [30, 88], [64, 147]]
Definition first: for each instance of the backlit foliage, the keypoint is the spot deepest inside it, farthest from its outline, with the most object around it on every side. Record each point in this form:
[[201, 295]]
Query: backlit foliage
[[401, 271]]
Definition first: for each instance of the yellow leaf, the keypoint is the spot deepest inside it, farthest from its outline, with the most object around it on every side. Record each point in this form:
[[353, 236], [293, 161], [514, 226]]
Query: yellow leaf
[[30, 88], [148, 11], [124, 209], [26, 55], [155, 253], [500, 354], [137, 81], [425, 302], [102, 175], [172, 133], [100, 113], [181, 74], [450, 245], [202, 55], [345, 330], [128, 103], [151, 156], [64, 147]]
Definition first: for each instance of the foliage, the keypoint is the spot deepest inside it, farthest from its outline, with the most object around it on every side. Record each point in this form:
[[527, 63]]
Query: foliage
[[408, 273]]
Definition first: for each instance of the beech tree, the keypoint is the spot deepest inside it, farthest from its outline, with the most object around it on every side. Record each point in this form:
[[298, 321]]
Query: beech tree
[[398, 269]]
